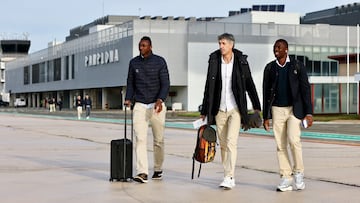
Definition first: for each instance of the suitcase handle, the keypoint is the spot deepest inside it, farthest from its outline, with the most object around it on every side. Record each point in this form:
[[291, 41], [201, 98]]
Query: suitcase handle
[[125, 123], [125, 139]]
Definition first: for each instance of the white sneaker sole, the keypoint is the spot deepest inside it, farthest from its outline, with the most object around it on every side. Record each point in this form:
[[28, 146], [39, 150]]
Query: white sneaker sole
[[226, 187], [300, 187], [290, 188]]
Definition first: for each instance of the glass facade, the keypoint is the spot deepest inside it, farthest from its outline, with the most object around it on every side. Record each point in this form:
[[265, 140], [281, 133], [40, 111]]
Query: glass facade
[[26, 75], [316, 59], [332, 98], [328, 97], [57, 69], [42, 72], [35, 73], [352, 101], [67, 67], [50, 69], [72, 66]]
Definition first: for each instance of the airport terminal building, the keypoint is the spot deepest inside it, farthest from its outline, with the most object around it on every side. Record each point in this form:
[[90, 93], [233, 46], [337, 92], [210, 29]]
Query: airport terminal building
[[94, 58]]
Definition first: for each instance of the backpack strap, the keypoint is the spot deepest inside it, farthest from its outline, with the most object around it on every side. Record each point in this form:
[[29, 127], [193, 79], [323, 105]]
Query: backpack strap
[[192, 171], [199, 170]]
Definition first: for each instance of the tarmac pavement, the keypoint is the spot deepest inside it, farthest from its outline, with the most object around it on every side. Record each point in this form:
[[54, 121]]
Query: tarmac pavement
[[47, 158]]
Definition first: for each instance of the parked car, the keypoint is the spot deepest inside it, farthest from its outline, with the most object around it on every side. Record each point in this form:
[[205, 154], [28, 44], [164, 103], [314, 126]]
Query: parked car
[[4, 103], [19, 102]]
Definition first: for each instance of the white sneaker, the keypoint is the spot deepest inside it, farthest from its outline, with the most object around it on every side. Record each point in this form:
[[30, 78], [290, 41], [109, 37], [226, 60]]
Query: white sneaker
[[227, 183], [87, 117], [285, 185], [299, 181]]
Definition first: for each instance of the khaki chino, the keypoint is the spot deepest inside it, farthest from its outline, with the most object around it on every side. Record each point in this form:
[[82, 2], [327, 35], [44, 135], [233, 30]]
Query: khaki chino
[[287, 132], [142, 117], [228, 128]]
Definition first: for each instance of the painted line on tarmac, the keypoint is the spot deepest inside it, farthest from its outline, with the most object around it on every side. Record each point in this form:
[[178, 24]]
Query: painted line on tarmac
[[254, 131], [315, 135]]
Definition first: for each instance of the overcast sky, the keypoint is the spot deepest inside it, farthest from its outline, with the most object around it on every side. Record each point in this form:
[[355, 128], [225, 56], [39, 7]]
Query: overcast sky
[[44, 21]]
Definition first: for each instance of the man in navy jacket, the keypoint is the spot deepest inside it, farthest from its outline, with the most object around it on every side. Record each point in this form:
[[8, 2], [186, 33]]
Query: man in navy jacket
[[147, 88]]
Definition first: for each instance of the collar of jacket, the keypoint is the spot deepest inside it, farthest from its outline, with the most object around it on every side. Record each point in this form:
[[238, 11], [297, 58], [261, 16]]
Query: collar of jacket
[[292, 62], [145, 58], [237, 54]]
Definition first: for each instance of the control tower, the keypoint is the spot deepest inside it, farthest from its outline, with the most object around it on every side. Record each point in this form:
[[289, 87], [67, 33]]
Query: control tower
[[10, 49]]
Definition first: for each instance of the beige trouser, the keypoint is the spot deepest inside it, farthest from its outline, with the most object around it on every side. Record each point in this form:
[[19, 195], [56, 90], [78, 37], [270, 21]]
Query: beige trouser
[[287, 132], [79, 111], [142, 116], [52, 108], [228, 127]]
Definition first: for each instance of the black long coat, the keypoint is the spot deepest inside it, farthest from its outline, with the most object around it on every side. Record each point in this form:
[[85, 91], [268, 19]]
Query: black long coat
[[299, 88], [242, 82]]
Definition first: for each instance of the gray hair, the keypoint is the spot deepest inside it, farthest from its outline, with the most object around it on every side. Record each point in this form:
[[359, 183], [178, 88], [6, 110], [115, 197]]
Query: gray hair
[[227, 36]]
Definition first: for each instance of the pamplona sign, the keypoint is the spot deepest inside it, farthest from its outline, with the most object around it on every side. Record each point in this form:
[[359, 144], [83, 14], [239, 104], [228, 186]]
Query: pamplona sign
[[104, 57]]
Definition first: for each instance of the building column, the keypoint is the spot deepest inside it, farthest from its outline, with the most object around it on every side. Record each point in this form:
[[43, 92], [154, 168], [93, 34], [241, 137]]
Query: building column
[[123, 94], [105, 104], [357, 78], [28, 99], [71, 100], [33, 100], [38, 99]]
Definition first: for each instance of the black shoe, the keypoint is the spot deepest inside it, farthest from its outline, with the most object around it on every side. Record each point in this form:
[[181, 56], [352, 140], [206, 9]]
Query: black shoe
[[141, 178], [157, 175]]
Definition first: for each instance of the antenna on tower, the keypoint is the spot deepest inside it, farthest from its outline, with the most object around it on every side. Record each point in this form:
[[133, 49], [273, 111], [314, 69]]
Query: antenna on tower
[[102, 14], [26, 35], [103, 5]]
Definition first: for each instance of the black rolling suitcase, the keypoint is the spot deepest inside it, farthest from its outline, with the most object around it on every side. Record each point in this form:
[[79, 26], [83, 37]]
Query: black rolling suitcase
[[121, 156]]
